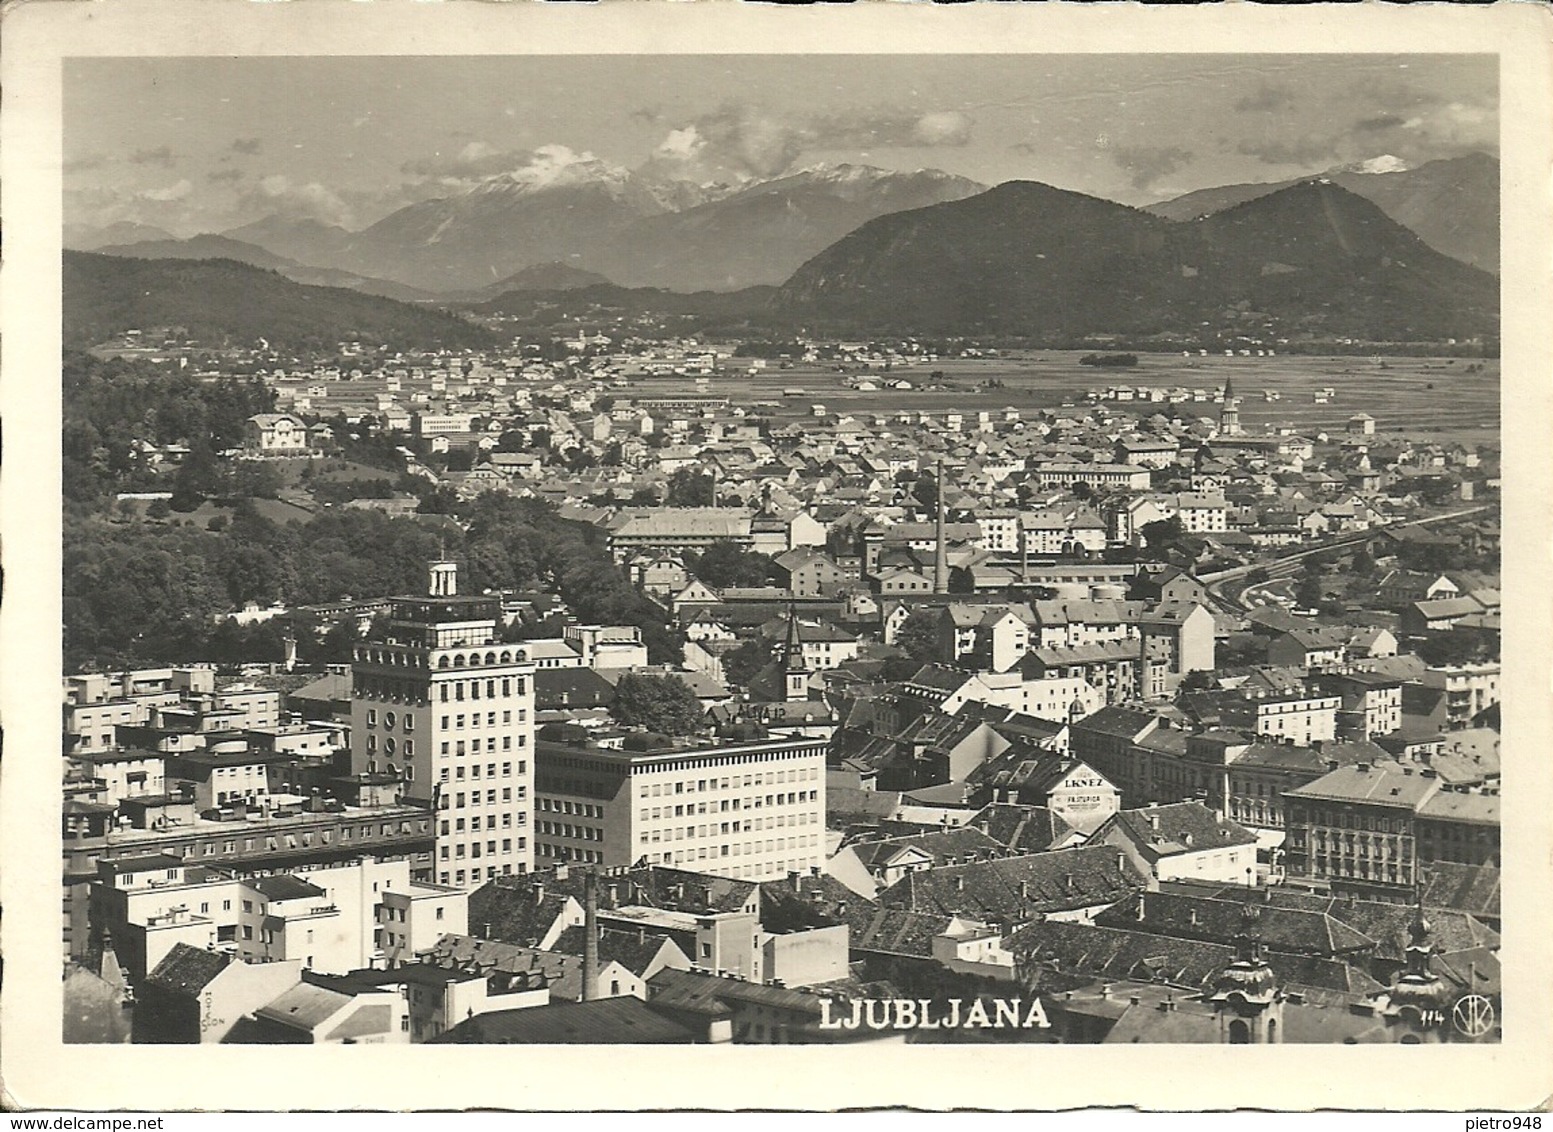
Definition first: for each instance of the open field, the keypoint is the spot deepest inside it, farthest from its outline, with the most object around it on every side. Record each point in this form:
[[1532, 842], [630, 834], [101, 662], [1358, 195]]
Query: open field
[[1419, 396]]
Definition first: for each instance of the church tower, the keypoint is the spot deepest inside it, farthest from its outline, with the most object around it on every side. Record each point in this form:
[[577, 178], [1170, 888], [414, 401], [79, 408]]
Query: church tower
[[1229, 411], [795, 673], [1416, 1004], [1245, 996]]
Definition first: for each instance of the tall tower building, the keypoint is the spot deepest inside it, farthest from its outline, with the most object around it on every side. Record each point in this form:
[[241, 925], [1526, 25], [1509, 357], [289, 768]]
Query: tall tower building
[[1229, 411], [440, 702]]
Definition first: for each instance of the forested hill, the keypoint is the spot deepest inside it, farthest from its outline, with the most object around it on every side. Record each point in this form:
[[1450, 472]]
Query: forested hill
[[223, 302]]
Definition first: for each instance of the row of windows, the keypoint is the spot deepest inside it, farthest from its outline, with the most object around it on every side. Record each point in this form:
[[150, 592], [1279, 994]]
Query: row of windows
[[391, 746], [727, 805], [457, 749], [475, 876], [474, 847], [458, 722], [561, 806], [692, 786], [569, 853], [475, 823], [566, 829], [476, 798], [741, 848], [677, 833]]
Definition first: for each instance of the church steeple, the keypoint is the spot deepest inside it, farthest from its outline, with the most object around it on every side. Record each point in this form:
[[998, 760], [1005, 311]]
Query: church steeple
[[1417, 1000], [1229, 411], [1246, 996], [795, 672]]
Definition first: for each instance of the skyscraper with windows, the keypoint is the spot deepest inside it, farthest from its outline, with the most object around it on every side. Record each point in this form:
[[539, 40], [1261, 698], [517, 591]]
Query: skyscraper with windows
[[441, 704]]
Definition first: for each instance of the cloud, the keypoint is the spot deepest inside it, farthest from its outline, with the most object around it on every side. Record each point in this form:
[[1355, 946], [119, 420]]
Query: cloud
[[479, 161], [161, 155], [226, 175], [84, 164], [248, 146], [178, 190], [1379, 122], [747, 142], [1148, 163], [312, 201], [1309, 151]]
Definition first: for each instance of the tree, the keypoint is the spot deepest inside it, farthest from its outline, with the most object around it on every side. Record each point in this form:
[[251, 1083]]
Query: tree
[[690, 487], [1198, 681], [659, 703], [159, 509], [918, 638], [1163, 532], [1363, 564], [1309, 594], [740, 665], [726, 563]]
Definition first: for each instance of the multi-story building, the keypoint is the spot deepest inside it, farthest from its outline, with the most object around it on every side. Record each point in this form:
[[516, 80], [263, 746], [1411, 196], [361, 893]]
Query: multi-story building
[[442, 703], [748, 810], [1354, 826], [277, 840], [1469, 689], [1297, 718]]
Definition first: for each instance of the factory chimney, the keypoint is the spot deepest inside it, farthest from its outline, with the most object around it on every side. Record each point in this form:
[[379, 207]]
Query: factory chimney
[[941, 545], [590, 933]]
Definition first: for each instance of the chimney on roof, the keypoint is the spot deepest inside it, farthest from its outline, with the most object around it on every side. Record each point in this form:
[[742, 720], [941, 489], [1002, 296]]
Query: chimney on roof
[[1331, 764], [795, 878], [1024, 890], [1362, 768], [959, 883], [539, 891]]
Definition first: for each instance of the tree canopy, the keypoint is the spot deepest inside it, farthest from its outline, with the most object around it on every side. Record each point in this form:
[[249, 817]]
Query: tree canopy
[[659, 703]]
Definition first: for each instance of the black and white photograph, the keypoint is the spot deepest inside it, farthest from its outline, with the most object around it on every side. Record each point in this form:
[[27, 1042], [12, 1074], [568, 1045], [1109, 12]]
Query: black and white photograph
[[854, 548]]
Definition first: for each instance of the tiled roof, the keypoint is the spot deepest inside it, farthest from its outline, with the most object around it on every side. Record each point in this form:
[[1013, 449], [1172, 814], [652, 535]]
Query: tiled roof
[[957, 844], [514, 913], [1018, 888], [1181, 827], [1453, 805], [1114, 953], [1468, 888], [1029, 829], [1382, 784], [709, 994], [1117, 721], [188, 970], [1294, 930], [607, 1021], [635, 951]]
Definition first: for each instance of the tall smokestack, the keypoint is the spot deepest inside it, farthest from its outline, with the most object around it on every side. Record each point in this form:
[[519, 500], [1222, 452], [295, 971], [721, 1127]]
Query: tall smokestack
[[590, 932], [941, 553]]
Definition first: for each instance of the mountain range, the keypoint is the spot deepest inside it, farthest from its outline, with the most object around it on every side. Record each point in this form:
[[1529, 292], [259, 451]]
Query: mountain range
[[220, 301], [1452, 204], [210, 246], [1029, 259], [631, 231]]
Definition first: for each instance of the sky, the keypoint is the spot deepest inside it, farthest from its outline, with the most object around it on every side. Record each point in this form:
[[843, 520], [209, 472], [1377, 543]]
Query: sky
[[205, 144]]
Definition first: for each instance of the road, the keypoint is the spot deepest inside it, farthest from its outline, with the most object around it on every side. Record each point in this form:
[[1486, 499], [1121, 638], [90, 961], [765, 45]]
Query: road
[[1288, 564]]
